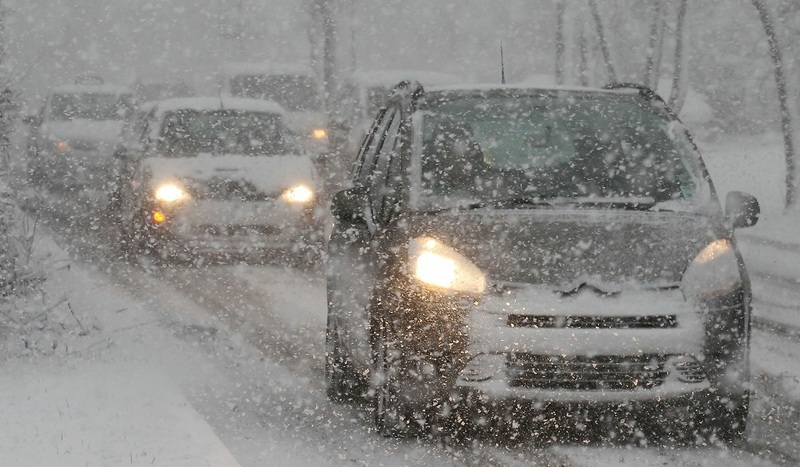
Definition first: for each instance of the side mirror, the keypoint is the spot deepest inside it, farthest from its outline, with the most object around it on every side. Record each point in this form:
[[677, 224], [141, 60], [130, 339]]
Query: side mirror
[[350, 205], [741, 210]]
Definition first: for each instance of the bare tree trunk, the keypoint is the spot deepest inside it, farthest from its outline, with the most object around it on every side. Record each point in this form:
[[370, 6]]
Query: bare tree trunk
[[583, 58], [612, 74], [560, 11], [679, 85], [783, 98], [649, 68], [323, 15]]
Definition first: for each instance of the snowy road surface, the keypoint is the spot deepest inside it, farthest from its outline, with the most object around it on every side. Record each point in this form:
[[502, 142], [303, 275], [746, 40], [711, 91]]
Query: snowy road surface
[[259, 332], [243, 346]]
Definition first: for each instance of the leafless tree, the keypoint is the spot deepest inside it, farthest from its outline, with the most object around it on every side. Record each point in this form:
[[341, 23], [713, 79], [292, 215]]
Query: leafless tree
[[783, 98], [601, 36], [560, 12]]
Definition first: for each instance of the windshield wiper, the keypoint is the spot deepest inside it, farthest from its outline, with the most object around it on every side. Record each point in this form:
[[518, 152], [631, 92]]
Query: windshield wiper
[[629, 204]]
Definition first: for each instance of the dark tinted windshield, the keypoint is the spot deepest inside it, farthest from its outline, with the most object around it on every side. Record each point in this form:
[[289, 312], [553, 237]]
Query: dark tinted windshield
[[91, 106], [572, 146], [189, 132], [292, 92]]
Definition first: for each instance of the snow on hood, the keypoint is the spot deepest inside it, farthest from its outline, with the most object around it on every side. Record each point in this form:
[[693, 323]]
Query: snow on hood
[[271, 175], [104, 131], [563, 247]]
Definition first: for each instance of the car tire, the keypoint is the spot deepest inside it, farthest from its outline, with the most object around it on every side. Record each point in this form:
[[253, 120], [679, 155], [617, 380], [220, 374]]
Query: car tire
[[725, 418], [341, 385], [393, 416]]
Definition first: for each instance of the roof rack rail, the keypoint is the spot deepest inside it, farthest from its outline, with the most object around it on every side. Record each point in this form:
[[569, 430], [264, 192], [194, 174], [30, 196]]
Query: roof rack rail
[[649, 95], [644, 90]]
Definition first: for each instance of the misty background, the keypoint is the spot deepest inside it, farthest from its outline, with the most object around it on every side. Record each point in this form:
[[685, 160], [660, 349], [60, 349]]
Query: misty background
[[49, 42]]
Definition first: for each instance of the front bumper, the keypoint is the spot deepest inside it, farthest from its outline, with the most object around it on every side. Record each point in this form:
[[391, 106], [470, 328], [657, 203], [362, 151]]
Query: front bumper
[[531, 344], [235, 227]]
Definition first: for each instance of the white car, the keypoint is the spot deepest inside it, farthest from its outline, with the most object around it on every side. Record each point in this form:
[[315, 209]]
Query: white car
[[216, 175], [73, 137]]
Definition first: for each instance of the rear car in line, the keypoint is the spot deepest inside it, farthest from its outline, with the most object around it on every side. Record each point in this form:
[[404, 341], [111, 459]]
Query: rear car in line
[[72, 138]]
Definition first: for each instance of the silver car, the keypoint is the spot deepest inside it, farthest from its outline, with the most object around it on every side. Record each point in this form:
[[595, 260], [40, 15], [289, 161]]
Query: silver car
[[73, 137]]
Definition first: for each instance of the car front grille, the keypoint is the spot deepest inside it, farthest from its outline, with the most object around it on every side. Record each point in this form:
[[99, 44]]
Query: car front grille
[[593, 322], [585, 373], [215, 230]]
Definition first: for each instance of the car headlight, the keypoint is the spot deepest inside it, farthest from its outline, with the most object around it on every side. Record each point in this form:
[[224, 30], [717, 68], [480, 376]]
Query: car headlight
[[62, 146], [169, 193], [441, 267], [298, 194], [713, 273], [319, 133]]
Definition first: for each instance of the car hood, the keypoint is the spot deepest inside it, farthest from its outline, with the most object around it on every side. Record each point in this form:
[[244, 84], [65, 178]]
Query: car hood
[[100, 131], [570, 249], [268, 175]]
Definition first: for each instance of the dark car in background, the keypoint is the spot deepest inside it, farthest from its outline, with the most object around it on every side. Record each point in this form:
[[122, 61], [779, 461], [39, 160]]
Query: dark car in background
[[210, 175], [72, 138], [508, 248], [292, 85]]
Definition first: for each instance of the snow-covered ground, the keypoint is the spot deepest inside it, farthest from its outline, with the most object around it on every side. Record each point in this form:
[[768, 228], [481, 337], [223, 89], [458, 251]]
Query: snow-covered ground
[[223, 365]]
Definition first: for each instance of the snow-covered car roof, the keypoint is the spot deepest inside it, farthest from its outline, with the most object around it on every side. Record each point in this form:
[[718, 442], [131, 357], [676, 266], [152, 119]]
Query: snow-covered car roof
[[91, 88], [266, 68], [523, 87], [214, 103], [390, 78]]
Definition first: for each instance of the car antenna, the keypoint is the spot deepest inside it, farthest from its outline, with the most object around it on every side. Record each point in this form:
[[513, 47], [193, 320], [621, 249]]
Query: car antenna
[[502, 65]]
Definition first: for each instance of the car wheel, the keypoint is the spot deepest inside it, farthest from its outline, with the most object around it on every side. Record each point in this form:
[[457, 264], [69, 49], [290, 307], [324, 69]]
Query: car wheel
[[394, 417], [341, 385], [725, 418]]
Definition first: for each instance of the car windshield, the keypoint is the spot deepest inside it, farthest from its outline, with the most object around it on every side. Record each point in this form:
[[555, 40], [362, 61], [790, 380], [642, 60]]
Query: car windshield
[[189, 132], [91, 106], [597, 147], [292, 92]]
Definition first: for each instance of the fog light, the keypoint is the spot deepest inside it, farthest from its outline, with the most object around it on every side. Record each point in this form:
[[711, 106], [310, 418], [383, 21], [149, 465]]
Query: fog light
[[319, 133], [159, 217]]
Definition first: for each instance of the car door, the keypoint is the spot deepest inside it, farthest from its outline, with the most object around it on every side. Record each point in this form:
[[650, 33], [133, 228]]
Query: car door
[[354, 261]]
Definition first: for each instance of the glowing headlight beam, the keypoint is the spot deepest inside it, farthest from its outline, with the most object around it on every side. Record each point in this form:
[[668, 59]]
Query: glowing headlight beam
[[298, 194], [169, 193], [319, 133], [440, 266], [435, 270]]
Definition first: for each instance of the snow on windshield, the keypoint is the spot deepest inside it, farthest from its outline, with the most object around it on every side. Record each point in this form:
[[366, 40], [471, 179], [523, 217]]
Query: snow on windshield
[[553, 147], [90, 106], [187, 132]]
